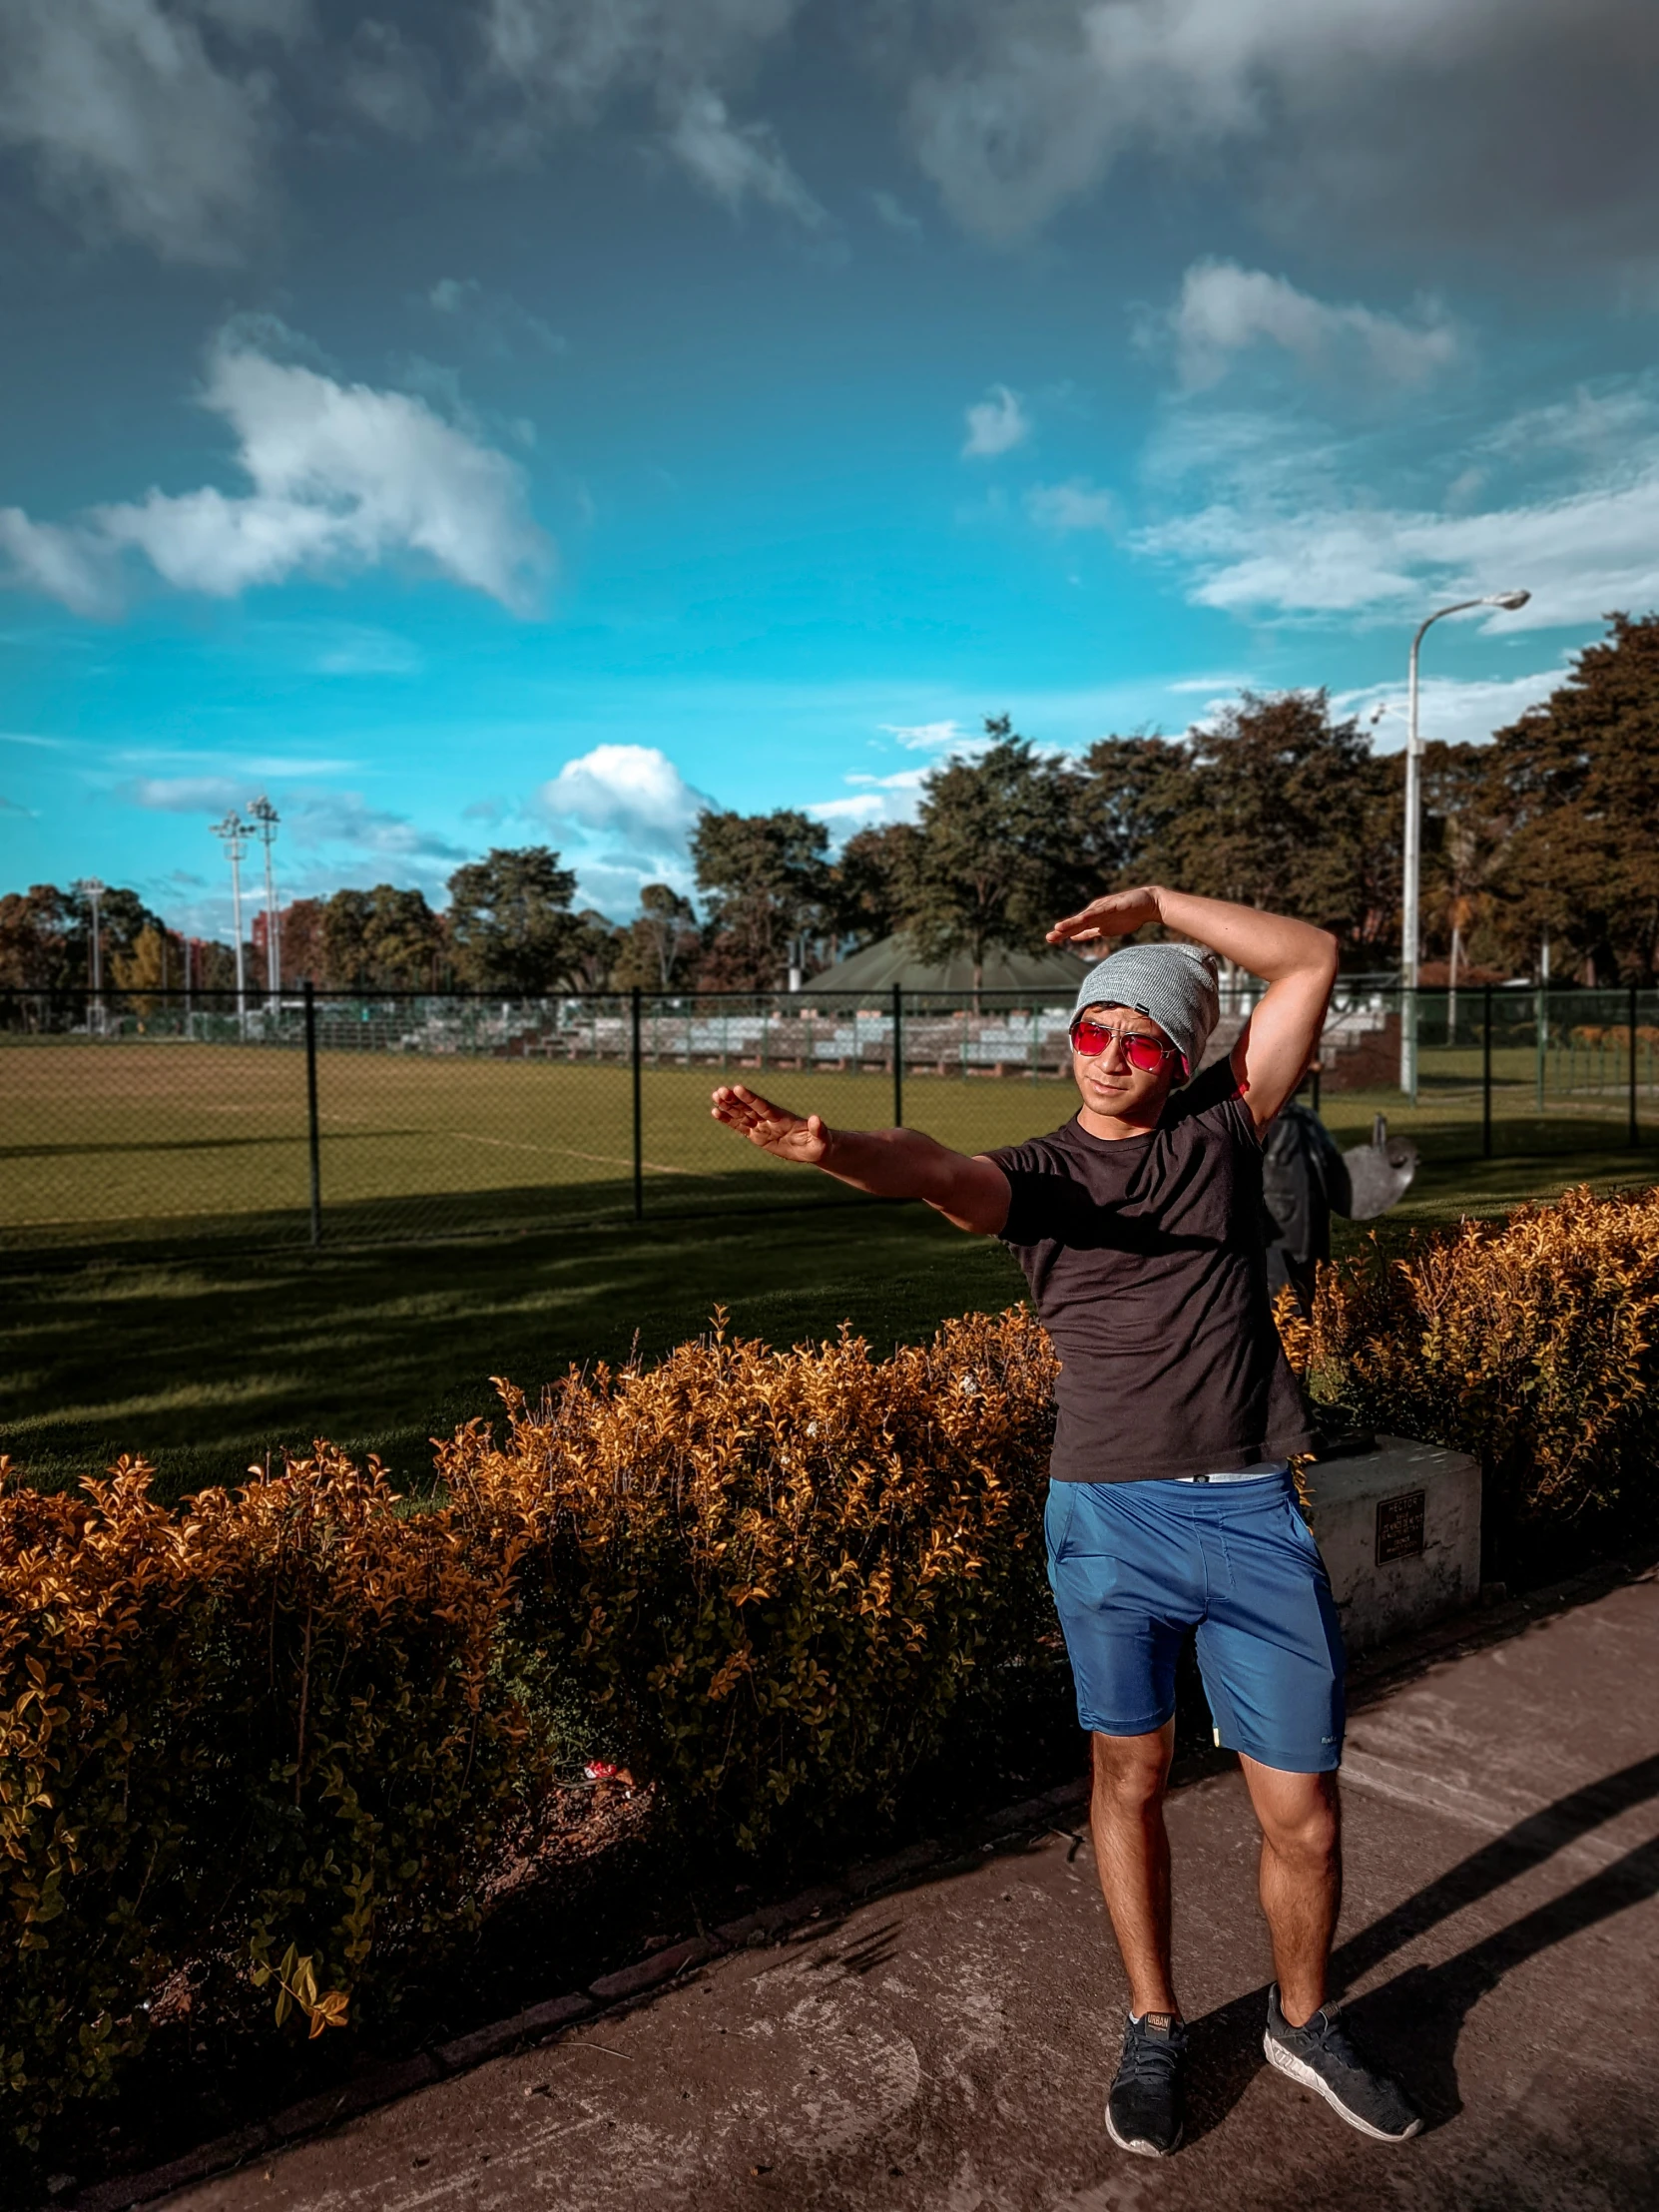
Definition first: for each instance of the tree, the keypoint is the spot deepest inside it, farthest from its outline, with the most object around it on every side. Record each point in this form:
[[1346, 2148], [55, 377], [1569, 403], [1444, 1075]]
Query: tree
[[657, 948], [1282, 807], [871, 881], [766, 895], [46, 935], [300, 941], [156, 962], [1133, 787], [1575, 783], [589, 957], [996, 856], [510, 920]]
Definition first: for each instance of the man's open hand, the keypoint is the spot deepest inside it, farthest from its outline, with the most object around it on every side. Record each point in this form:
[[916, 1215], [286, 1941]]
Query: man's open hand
[[1115, 915], [804, 1140]]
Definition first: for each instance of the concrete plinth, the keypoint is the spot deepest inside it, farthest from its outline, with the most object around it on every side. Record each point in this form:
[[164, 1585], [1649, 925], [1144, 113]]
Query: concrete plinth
[[1400, 1529]]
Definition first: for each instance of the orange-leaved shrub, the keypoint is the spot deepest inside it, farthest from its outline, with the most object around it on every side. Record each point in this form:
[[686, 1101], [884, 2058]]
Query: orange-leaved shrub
[[1531, 1343], [773, 1574], [267, 1739], [276, 1744]]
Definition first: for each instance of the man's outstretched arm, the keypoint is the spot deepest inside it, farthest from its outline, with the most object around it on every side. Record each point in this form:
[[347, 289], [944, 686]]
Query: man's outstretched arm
[[972, 1193], [1296, 962]]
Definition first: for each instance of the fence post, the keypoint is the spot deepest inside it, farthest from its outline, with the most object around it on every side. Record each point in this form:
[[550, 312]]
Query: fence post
[[638, 1112], [899, 1055], [1633, 1133], [1486, 1079], [310, 1109]]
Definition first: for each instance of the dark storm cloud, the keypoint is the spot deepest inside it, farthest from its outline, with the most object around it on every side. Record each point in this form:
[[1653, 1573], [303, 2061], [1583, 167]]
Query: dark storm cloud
[[1423, 124]]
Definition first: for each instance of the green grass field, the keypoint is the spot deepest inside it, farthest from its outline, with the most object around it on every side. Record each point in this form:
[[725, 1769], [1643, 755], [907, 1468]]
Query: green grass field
[[153, 1305]]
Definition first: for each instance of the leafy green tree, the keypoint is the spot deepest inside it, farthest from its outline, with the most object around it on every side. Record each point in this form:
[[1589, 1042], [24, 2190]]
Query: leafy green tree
[[998, 857], [660, 947], [1284, 807], [591, 955], [510, 922], [872, 882], [46, 935], [767, 895], [1575, 783], [1133, 789]]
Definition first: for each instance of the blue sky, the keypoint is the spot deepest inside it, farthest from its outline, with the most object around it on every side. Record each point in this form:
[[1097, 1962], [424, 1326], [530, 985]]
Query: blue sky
[[537, 418]]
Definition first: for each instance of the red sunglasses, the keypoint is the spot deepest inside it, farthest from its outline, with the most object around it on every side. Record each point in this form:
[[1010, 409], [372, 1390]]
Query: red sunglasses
[[1140, 1051]]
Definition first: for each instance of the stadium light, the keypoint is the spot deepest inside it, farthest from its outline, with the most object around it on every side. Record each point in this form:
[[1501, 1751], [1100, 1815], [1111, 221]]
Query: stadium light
[[236, 833], [266, 816], [1410, 932], [92, 891]]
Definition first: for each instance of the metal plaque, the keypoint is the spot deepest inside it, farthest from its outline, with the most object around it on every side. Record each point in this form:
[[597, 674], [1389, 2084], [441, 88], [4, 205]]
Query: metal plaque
[[1400, 1526]]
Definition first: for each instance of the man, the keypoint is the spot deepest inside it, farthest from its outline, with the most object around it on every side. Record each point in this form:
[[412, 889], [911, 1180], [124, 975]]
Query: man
[[1303, 1182], [1171, 1506]]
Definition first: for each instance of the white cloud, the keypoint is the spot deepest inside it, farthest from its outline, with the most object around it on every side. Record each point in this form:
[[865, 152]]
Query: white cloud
[[369, 652], [1077, 505], [68, 564], [344, 476], [1579, 556], [452, 293], [995, 425], [897, 216], [737, 162], [866, 807], [1224, 311], [883, 798], [633, 790], [187, 795], [134, 127], [1450, 710], [929, 737]]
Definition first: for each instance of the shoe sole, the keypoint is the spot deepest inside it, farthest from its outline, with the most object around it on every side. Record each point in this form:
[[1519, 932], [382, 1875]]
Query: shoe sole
[[1140, 2148], [1287, 2063]]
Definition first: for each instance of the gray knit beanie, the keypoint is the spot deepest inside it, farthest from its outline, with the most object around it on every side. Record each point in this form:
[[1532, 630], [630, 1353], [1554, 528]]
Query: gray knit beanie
[[1172, 985]]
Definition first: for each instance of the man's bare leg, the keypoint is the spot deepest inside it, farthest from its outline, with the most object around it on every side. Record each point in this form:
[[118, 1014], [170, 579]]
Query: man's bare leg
[[1301, 1878], [1131, 1851]]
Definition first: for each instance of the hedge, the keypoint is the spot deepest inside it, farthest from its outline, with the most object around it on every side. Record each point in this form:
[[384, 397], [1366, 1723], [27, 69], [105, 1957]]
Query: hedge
[[1529, 1343], [282, 1739]]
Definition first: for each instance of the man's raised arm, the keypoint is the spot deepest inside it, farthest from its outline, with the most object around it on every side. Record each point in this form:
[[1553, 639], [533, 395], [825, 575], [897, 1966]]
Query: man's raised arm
[[1297, 961], [972, 1193]]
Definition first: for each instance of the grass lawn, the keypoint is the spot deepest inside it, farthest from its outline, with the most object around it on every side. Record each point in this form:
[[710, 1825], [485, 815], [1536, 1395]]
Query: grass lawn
[[211, 1353]]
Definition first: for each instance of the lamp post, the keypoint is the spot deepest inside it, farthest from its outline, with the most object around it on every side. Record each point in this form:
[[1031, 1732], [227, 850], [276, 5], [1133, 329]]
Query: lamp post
[[1410, 930], [92, 891], [236, 833], [265, 815]]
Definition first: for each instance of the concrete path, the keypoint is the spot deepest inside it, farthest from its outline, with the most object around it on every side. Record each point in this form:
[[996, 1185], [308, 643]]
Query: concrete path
[[947, 2049]]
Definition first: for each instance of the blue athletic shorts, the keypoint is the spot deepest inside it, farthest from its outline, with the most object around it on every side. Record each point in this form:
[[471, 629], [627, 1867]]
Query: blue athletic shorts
[[1133, 1566]]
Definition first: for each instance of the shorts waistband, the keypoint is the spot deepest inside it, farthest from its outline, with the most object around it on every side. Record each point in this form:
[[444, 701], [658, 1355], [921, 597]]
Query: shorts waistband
[[1275, 1473]]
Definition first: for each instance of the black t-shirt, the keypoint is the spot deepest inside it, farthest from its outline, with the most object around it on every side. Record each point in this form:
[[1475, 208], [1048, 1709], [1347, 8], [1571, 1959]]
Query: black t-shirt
[[1146, 1260]]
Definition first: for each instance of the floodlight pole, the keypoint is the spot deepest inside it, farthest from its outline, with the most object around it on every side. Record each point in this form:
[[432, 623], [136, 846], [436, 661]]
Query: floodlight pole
[[235, 831], [92, 891], [266, 816], [1410, 932]]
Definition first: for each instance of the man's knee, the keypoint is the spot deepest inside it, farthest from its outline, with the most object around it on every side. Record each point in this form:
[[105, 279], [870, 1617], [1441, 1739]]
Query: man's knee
[[1130, 1772], [1302, 1820]]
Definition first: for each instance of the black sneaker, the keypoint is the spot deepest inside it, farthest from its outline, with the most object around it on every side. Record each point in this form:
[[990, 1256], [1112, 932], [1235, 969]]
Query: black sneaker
[[1145, 2112], [1322, 2057]]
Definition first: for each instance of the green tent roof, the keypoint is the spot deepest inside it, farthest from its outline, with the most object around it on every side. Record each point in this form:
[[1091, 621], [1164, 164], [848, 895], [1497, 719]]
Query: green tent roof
[[890, 960]]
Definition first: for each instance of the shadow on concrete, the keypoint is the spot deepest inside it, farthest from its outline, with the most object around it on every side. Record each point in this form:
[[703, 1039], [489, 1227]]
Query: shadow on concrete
[[1412, 2023]]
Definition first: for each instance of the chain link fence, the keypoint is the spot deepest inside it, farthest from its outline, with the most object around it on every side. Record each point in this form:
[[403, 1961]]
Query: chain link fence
[[328, 1117]]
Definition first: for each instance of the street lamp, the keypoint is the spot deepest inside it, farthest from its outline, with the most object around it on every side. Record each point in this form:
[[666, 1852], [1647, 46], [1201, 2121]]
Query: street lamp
[[1410, 932], [266, 816], [236, 833], [92, 891]]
